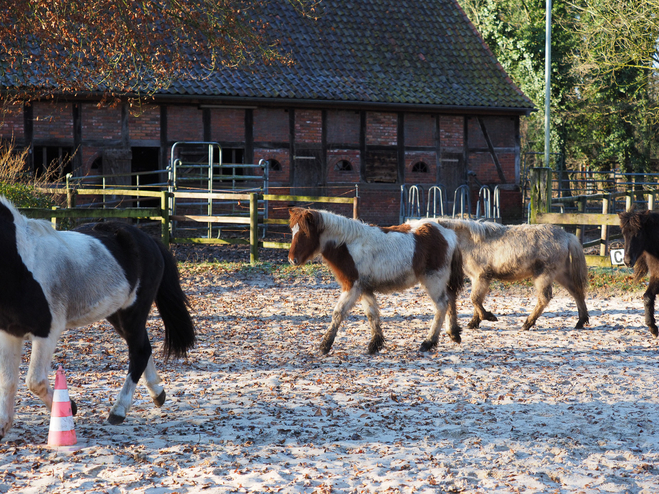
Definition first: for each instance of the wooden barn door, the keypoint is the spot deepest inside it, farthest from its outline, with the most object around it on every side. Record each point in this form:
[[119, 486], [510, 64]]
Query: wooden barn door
[[308, 172]]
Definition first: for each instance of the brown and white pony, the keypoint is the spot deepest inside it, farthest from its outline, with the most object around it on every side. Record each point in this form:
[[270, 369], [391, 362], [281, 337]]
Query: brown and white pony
[[641, 233], [546, 253], [367, 259]]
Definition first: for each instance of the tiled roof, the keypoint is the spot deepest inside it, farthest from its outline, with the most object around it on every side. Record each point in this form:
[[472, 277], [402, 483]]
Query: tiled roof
[[422, 53], [410, 52]]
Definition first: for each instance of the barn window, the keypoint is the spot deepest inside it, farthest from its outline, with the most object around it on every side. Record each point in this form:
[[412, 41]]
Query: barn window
[[343, 166], [274, 165], [419, 167]]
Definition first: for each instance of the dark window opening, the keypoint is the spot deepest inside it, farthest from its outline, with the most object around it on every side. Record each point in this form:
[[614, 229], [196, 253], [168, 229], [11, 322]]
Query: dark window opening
[[230, 158], [146, 161], [53, 162], [420, 167], [97, 166], [343, 166], [274, 165], [381, 166]]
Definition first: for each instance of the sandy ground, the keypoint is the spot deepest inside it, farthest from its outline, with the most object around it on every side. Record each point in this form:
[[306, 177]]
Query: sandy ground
[[256, 409]]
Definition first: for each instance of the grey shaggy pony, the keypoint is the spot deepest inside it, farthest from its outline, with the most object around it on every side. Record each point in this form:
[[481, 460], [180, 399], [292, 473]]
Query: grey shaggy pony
[[546, 253]]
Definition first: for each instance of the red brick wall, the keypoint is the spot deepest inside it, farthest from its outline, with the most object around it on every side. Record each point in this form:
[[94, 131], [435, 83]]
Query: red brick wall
[[429, 158], [336, 155], [227, 125], [381, 128], [184, 123], [451, 132], [52, 121], [146, 125], [12, 123], [379, 206], [271, 125], [308, 126], [419, 129], [483, 165], [101, 123], [343, 127], [500, 129]]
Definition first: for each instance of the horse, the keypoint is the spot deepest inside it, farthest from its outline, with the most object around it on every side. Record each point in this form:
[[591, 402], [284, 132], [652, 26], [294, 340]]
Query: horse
[[546, 253], [366, 259], [53, 280], [641, 233]]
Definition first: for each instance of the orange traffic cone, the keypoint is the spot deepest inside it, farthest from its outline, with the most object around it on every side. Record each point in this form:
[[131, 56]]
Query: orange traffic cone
[[62, 431]]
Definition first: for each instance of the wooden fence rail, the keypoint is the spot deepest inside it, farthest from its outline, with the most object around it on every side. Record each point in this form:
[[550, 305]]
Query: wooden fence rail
[[542, 202], [163, 213]]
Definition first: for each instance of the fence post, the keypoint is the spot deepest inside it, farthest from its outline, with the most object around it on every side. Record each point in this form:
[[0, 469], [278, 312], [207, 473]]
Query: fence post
[[604, 237], [164, 222], [581, 208], [253, 228], [540, 192]]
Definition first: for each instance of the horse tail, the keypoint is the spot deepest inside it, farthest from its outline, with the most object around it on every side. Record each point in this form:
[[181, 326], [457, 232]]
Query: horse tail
[[577, 267], [173, 305], [457, 278]]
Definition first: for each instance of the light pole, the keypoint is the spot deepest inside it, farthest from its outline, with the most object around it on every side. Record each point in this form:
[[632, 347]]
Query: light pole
[[547, 81]]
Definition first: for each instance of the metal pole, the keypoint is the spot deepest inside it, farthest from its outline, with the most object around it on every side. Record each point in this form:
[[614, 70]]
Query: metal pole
[[547, 80]]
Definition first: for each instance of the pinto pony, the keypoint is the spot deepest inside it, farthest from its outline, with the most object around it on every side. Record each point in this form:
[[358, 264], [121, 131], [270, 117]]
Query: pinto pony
[[367, 259], [546, 253], [55, 280], [641, 233]]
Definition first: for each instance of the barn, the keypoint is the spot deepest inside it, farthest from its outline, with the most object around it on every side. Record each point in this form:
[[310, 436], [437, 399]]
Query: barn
[[381, 95]]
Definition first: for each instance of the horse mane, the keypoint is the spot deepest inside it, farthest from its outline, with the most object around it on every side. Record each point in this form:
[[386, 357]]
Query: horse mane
[[479, 230], [317, 221]]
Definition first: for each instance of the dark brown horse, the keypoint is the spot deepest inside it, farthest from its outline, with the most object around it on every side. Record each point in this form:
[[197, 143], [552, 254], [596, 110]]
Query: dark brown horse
[[641, 233]]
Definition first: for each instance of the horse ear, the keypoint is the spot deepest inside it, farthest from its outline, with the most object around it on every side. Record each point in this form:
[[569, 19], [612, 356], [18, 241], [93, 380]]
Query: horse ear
[[645, 216]]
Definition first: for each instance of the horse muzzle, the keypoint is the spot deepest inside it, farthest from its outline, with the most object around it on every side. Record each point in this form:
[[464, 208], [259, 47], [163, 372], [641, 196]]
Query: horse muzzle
[[293, 261]]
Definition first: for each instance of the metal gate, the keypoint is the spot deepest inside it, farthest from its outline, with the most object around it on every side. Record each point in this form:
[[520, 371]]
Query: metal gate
[[198, 166]]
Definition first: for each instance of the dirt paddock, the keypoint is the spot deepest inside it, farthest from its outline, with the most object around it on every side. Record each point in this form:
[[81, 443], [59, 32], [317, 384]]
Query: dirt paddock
[[257, 409]]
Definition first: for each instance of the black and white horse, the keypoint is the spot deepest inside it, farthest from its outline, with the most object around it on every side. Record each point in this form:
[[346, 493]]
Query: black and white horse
[[52, 280]]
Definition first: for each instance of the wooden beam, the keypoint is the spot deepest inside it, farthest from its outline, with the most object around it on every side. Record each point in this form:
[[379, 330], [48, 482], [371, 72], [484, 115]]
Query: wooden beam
[[578, 219], [492, 152]]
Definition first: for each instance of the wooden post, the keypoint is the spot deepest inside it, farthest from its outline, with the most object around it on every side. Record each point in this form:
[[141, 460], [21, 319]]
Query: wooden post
[[164, 222], [581, 208], [253, 228], [540, 192], [604, 237], [355, 208], [650, 201], [628, 202]]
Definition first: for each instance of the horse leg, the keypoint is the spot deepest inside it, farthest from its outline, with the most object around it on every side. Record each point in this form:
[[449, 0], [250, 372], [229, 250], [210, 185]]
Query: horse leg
[[373, 314], [153, 383], [131, 325], [479, 290], [444, 302], [346, 302], [40, 362], [10, 361], [578, 297], [544, 293], [648, 302]]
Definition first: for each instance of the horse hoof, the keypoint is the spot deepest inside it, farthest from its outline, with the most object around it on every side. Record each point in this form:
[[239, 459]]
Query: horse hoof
[[74, 407], [474, 324], [426, 346], [375, 345], [115, 419], [324, 350], [160, 399], [653, 330], [455, 337], [490, 317], [526, 327]]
